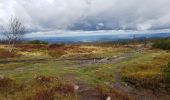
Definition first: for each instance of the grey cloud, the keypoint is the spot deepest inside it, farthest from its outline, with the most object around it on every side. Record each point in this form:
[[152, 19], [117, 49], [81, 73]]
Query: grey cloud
[[89, 14]]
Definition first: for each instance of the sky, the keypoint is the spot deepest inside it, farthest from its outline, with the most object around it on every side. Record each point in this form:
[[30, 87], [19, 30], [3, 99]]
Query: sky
[[53, 16]]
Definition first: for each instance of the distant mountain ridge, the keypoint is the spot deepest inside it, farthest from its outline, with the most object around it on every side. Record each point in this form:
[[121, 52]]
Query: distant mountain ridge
[[96, 38]]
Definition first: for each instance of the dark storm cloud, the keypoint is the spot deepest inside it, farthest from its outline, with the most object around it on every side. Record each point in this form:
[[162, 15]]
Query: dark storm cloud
[[88, 14]]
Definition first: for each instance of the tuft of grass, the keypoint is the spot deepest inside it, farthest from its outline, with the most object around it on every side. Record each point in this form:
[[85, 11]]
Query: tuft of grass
[[149, 72], [44, 79], [56, 53], [105, 91]]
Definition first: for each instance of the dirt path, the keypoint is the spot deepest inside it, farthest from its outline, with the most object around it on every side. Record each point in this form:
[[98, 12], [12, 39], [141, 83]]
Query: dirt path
[[84, 91], [107, 60], [87, 92]]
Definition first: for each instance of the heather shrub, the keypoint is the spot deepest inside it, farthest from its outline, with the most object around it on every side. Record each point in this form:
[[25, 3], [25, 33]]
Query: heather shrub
[[167, 74], [162, 44], [6, 54], [56, 53], [38, 42]]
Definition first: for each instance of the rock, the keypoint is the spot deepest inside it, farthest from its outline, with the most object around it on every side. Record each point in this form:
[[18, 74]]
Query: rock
[[126, 84], [108, 98], [104, 59], [107, 83], [1, 76], [115, 56], [76, 87]]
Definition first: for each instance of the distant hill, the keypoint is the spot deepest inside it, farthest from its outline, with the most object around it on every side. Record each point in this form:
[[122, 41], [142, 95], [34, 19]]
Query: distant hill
[[96, 38]]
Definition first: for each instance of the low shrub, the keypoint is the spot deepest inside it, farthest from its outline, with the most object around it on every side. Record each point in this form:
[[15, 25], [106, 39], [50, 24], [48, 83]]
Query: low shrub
[[105, 92], [56, 45], [44, 79], [143, 75], [6, 82], [39, 88], [43, 94], [6, 54], [8, 86], [162, 44], [56, 52], [50, 88], [31, 47], [139, 81], [38, 42]]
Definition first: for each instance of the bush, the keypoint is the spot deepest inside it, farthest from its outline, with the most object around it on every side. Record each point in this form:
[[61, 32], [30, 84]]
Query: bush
[[56, 45], [162, 44], [38, 42]]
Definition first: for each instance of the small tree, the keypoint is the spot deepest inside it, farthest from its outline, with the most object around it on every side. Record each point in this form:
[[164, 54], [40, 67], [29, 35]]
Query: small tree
[[13, 32]]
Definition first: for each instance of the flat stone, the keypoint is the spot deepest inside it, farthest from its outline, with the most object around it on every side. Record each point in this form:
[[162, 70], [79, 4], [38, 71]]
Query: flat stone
[[76, 87], [108, 98], [1, 76]]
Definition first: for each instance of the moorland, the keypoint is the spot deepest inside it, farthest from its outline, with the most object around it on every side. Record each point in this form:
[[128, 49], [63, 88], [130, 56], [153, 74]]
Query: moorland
[[86, 71]]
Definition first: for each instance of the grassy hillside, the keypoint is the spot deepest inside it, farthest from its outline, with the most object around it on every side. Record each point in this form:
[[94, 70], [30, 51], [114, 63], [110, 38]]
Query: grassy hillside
[[80, 72]]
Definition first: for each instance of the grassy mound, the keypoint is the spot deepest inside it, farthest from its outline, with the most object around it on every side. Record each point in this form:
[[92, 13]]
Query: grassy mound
[[147, 70]]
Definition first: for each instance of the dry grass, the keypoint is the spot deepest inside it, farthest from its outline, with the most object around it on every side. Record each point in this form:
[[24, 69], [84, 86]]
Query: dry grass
[[8, 87], [56, 52], [106, 92], [40, 88], [30, 47], [146, 71], [4, 53]]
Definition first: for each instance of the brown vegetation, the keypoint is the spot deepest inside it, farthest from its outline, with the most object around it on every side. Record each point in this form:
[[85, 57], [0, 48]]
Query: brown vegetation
[[6, 54], [147, 74], [30, 47], [106, 92], [40, 88]]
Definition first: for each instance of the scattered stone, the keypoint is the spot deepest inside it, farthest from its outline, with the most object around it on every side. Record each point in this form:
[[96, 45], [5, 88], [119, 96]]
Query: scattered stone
[[115, 56], [108, 98], [1, 76], [126, 84], [76, 87], [107, 83]]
